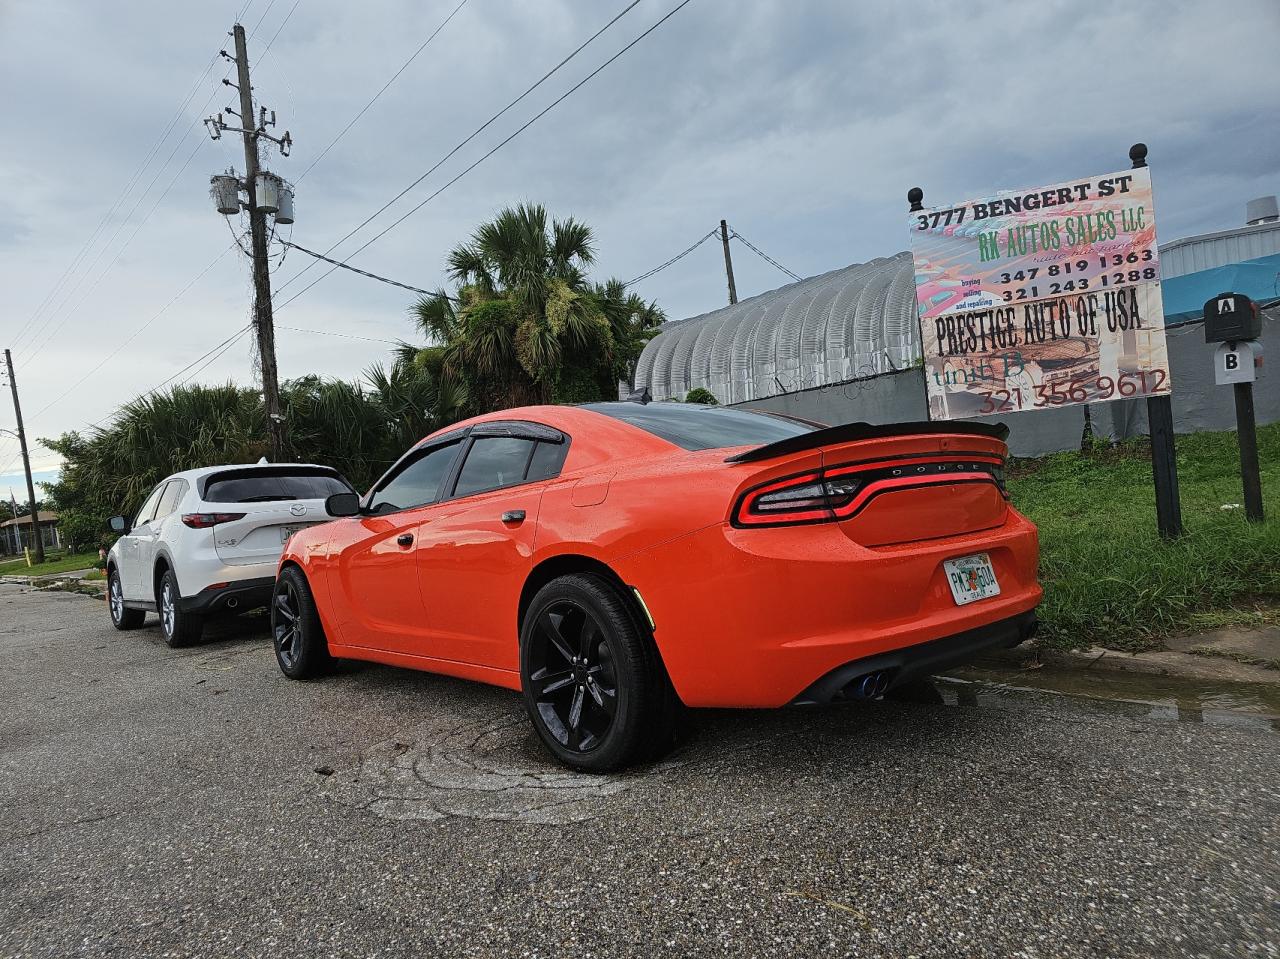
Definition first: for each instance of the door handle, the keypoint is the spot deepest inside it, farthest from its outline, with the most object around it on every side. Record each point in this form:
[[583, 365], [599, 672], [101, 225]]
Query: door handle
[[405, 539], [513, 516]]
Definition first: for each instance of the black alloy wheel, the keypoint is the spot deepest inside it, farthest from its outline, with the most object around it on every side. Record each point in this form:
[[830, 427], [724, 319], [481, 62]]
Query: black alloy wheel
[[574, 682], [285, 625], [593, 682], [297, 636]]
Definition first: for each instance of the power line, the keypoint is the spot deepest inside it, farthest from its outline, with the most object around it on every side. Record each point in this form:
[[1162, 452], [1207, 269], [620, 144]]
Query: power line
[[404, 66], [260, 19], [155, 316], [161, 385], [61, 308], [120, 200], [349, 336], [215, 357], [356, 269], [759, 252], [277, 33], [674, 259], [36, 344], [230, 339], [484, 126], [538, 116]]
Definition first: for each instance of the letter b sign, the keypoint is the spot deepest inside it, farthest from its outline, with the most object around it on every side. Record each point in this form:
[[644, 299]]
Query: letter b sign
[[1236, 363]]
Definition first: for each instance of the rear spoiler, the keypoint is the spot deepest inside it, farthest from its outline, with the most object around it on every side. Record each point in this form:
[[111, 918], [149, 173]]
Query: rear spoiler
[[850, 432]]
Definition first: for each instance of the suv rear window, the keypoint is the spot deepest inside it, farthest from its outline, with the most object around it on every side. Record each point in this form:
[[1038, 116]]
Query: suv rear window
[[263, 486], [697, 427]]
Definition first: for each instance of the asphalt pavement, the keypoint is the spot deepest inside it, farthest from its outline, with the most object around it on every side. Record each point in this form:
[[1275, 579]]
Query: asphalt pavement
[[158, 802]]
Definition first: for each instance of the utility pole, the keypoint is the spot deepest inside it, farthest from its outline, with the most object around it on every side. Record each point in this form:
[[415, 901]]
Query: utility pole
[[262, 319], [37, 543], [276, 198], [728, 262]]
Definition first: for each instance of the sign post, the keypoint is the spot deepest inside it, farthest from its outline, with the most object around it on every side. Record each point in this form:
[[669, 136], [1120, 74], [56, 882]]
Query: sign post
[[1232, 321], [1044, 298]]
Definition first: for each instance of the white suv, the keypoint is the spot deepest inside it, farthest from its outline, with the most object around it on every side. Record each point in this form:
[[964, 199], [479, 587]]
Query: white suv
[[207, 541]]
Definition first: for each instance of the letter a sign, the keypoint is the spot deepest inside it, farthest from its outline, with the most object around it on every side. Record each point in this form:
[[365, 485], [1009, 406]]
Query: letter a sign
[[1227, 305]]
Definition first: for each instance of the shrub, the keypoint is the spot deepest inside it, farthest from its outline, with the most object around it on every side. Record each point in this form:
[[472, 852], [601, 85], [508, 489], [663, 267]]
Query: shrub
[[701, 395]]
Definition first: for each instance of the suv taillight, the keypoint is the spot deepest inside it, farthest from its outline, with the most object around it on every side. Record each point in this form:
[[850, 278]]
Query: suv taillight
[[205, 520]]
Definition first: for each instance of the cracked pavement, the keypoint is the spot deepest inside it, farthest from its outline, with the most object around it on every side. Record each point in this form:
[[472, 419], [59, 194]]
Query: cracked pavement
[[158, 802]]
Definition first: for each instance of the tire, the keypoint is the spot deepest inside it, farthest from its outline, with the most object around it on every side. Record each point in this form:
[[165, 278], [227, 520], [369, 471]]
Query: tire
[[302, 651], [593, 684], [180, 628], [122, 617]]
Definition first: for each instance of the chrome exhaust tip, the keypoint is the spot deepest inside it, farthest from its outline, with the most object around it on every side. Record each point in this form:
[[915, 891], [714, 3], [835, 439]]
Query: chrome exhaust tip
[[870, 686]]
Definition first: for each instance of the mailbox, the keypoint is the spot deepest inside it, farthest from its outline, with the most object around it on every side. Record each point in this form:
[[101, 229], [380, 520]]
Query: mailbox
[[1231, 317]]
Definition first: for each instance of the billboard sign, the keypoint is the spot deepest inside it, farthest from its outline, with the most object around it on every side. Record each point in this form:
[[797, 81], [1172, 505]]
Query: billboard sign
[[1037, 299]]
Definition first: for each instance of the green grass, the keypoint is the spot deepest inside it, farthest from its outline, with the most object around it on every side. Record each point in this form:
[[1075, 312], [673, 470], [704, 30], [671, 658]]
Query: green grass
[[60, 563], [1110, 580]]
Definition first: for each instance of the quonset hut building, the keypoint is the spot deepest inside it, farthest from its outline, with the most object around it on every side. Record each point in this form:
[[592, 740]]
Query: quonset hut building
[[844, 347], [848, 324]]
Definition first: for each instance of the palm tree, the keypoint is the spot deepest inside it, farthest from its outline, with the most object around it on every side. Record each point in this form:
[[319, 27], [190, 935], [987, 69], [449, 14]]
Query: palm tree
[[527, 326]]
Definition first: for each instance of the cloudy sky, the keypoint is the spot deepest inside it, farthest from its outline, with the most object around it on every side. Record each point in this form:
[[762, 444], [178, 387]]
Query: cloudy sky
[[801, 123]]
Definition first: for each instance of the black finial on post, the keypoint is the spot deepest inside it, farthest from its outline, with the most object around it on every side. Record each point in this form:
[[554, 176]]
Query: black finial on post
[[915, 196], [1138, 154]]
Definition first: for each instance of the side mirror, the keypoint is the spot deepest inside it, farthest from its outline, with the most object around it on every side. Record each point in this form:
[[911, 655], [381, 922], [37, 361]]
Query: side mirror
[[342, 504], [118, 524]]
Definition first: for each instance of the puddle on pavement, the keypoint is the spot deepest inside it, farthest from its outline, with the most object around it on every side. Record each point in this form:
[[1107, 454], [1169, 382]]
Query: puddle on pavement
[[1245, 705]]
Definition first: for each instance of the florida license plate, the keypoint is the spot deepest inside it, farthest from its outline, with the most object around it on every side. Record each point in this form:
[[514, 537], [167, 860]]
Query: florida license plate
[[971, 578], [287, 531]]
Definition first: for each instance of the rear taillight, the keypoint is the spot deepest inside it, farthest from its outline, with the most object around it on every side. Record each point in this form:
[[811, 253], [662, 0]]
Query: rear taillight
[[838, 492], [205, 520], [811, 498]]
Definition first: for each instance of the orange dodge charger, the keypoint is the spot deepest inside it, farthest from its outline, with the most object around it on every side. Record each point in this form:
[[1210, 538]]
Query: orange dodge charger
[[617, 562]]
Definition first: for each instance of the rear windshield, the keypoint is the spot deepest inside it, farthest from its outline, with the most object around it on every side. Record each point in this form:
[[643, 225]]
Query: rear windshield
[[697, 427], [262, 486]]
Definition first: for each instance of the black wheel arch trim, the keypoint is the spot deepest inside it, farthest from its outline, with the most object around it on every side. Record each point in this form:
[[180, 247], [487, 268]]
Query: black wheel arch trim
[[566, 564]]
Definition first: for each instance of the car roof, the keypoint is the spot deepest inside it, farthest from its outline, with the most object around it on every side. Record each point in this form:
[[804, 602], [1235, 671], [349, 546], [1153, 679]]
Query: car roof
[[203, 471], [597, 438]]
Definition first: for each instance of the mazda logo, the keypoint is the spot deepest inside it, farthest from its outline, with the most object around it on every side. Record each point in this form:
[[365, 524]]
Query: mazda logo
[[298, 509]]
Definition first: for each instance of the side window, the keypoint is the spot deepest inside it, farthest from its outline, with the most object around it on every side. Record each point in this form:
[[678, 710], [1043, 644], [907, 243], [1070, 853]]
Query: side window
[[546, 462], [169, 501], [494, 462], [418, 483], [149, 507]]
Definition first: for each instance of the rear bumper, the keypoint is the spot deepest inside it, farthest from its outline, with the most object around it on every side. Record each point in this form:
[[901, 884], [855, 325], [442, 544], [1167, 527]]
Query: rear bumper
[[236, 597], [902, 666], [756, 618]]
